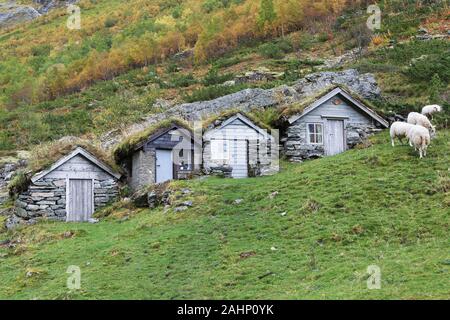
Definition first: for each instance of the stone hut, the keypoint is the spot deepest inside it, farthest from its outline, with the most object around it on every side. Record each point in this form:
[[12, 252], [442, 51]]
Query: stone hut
[[330, 123], [159, 155], [70, 190], [234, 146]]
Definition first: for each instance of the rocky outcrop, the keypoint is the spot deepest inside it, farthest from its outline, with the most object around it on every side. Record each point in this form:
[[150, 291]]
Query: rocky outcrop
[[424, 35], [363, 84], [257, 75], [12, 14], [47, 5]]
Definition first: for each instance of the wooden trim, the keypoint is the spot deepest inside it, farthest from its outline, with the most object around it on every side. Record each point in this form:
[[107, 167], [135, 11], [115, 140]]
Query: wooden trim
[[349, 97], [335, 117], [74, 153], [244, 119], [308, 133], [67, 199]]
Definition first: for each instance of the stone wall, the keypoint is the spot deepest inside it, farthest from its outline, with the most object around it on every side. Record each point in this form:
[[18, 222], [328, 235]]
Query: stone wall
[[258, 165], [143, 169], [297, 149], [47, 198]]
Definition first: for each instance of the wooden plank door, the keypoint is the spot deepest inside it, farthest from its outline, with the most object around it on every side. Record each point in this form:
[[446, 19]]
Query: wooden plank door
[[164, 165], [335, 137], [80, 200], [238, 159]]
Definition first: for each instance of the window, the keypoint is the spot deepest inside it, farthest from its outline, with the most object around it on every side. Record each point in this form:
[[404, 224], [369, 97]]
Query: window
[[219, 150], [315, 133]]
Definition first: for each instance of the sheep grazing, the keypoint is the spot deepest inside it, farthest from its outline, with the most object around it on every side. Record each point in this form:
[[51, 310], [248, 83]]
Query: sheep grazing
[[421, 120], [399, 130], [419, 138], [429, 110]]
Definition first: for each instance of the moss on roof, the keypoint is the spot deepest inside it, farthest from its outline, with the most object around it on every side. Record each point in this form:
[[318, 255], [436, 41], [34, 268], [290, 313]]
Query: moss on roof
[[126, 148], [46, 154]]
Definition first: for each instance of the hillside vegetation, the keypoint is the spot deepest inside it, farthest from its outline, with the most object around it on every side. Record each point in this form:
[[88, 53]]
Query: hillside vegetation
[[56, 82], [330, 220]]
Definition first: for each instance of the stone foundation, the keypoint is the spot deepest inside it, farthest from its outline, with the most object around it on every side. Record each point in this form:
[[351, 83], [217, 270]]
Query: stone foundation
[[297, 149]]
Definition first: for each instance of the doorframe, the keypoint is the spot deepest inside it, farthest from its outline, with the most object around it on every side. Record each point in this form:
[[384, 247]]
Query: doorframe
[[156, 163], [68, 193], [344, 120]]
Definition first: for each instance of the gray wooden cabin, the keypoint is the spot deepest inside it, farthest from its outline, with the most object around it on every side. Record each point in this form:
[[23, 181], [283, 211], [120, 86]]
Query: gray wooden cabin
[[330, 125], [238, 148], [71, 189], [168, 154]]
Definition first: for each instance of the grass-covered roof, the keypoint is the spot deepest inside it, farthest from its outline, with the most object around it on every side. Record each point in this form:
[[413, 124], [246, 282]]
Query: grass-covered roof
[[126, 148], [45, 154]]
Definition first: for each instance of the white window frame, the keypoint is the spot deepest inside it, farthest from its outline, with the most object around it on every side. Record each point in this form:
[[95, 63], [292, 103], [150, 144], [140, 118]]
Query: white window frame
[[218, 150], [309, 133]]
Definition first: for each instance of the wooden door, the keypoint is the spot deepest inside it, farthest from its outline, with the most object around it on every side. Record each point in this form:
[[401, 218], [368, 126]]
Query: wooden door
[[239, 161], [164, 165], [80, 200], [335, 137]]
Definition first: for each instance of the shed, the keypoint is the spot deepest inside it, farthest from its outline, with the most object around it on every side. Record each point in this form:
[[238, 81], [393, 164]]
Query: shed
[[333, 122], [237, 147], [166, 154], [71, 189]]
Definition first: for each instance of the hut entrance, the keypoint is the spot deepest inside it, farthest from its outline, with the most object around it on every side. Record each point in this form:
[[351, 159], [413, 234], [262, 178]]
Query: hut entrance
[[239, 158], [164, 165], [80, 200], [335, 137]]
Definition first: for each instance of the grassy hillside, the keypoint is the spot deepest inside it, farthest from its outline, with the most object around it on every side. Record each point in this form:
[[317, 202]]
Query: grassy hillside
[[56, 82], [331, 219]]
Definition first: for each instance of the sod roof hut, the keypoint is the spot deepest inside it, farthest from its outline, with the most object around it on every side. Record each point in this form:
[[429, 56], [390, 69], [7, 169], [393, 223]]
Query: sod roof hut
[[236, 146], [71, 189], [329, 123], [160, 153]]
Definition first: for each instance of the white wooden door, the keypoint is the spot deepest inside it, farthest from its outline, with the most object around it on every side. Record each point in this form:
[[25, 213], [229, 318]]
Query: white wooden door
[[239, 158], [335, 137], [164, 165], [80, 200]]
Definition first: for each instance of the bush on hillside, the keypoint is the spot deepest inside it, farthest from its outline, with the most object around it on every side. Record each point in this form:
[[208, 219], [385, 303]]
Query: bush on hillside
[[213, 92], [425, 68]]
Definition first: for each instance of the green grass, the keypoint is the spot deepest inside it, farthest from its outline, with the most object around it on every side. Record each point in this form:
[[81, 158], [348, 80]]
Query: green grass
[[376, 206]]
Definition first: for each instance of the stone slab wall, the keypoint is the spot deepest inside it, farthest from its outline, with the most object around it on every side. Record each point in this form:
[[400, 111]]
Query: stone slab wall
[[297, 149], [258, 165], [47, 198], [143, 169]]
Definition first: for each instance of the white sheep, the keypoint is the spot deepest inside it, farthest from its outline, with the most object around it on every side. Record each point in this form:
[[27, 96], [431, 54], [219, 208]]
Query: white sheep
[[419, 138], [421, 120], [429, 110], [399, 130]]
